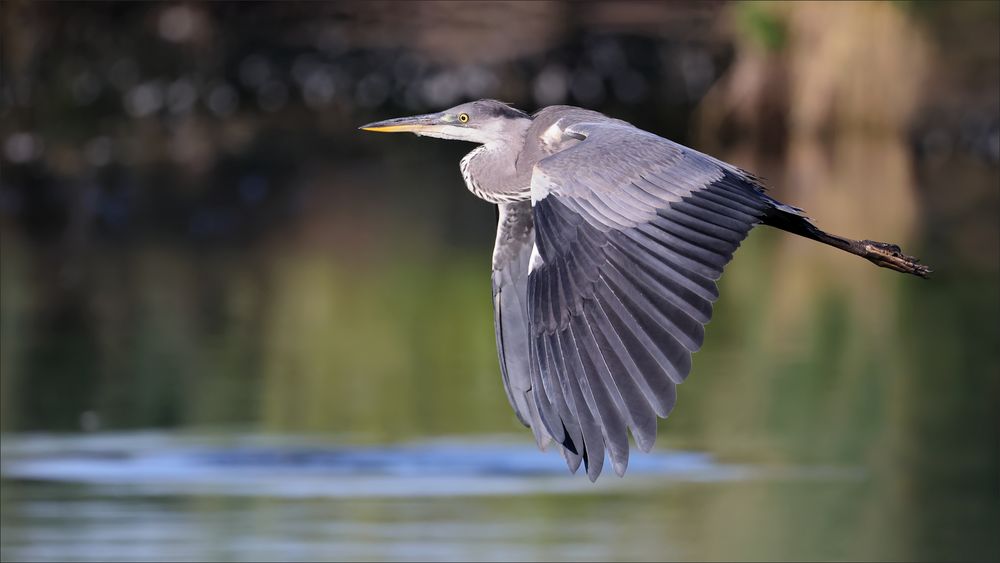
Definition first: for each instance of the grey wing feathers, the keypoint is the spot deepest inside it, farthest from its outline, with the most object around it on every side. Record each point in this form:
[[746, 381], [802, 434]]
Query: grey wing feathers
[[515, 238], [632, 231]]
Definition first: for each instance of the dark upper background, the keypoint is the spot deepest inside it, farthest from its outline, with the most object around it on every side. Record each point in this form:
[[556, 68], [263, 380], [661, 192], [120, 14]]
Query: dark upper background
[[222, 123]]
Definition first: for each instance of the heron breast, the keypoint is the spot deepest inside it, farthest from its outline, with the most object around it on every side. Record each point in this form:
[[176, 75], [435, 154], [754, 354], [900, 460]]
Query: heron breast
[[475, 166]]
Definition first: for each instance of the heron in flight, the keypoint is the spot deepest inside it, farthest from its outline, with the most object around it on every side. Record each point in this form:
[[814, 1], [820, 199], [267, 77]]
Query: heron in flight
[[609, 243]]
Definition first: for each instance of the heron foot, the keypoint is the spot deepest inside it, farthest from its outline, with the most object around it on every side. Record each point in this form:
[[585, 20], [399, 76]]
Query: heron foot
[[891, 256]]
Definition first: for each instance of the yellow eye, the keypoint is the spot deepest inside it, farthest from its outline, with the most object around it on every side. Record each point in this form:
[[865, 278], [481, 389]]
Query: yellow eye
[[463, 117]]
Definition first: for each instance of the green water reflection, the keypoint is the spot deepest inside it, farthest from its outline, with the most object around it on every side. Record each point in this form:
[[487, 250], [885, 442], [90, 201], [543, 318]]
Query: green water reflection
[[813, 358]]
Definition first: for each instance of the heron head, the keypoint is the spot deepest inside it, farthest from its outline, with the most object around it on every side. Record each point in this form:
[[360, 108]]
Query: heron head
[[482, 121]]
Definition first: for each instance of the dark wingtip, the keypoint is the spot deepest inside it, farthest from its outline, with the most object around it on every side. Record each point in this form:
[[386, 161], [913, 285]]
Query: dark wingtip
[[568, 442], [591, 474]]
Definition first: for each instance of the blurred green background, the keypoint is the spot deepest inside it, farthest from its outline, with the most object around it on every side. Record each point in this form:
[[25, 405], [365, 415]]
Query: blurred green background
[[196, 241]]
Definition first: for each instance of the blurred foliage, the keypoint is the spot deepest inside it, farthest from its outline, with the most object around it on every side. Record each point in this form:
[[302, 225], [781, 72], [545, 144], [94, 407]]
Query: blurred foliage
[[761, 25], [204, 121]]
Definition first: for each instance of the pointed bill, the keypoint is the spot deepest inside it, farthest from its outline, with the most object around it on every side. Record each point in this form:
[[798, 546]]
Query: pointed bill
[[414, 124]]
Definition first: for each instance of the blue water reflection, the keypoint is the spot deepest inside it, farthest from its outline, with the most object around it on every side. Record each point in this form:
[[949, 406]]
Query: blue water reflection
[[147, 463], [155, 496]]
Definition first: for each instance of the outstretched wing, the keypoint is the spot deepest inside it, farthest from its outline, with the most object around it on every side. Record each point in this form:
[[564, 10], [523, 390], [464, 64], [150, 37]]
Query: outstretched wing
[[631, 232]]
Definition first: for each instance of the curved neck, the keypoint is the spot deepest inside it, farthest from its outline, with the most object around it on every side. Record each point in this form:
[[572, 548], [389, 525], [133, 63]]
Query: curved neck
[[490, 171]]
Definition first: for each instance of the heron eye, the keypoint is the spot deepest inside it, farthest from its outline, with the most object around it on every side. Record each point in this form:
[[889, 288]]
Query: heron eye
[[463, 117]]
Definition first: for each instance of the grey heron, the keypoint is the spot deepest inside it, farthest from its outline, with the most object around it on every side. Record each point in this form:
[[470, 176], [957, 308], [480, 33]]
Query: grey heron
[[609, 243]]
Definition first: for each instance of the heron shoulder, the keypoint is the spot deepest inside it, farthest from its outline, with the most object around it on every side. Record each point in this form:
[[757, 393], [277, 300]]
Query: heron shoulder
[[562, 117]]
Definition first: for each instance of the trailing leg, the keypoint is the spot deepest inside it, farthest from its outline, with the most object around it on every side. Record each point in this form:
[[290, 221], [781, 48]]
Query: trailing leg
[[883, 254]]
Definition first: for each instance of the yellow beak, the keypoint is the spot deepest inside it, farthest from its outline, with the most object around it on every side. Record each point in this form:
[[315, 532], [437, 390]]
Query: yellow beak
[[413, 124]]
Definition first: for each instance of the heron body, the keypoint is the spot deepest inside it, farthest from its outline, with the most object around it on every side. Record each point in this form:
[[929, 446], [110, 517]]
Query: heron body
[[610, 240]]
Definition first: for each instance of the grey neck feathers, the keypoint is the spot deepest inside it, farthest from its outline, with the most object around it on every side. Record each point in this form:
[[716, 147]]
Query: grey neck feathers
[[491, 173]]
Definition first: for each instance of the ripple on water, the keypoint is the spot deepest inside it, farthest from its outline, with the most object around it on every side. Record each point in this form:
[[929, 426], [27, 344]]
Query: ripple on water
[[159, 463]]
